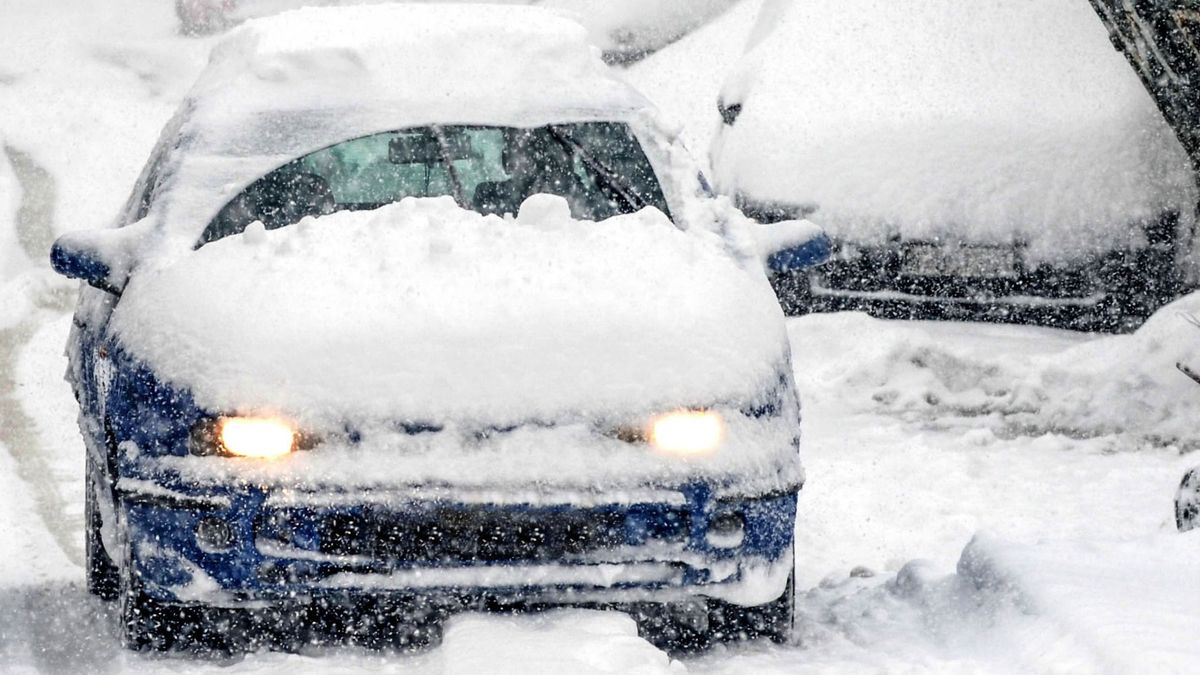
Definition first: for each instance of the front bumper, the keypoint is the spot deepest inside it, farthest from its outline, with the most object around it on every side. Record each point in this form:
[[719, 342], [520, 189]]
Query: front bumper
[[284, 547]]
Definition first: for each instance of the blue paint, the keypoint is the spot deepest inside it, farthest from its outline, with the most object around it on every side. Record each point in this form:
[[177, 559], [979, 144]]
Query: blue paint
[[809, 254]]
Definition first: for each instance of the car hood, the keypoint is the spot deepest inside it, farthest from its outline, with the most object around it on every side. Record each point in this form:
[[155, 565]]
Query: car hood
[[423, 311]]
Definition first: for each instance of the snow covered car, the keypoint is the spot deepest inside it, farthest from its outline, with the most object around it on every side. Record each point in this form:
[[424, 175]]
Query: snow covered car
[[995, 161], [417, 309]]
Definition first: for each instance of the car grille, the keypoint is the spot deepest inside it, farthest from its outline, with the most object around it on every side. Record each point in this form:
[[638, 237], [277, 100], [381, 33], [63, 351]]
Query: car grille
[[456, 535]]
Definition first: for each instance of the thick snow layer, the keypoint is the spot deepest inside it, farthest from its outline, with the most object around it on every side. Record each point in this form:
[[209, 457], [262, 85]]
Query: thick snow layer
[[994, 120], [423, 311], [580, 642], [684, 80], [636, 26], [622, 27], [429, 63], [1124, 389]]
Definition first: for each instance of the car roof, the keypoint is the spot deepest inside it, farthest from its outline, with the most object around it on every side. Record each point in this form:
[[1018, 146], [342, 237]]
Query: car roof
[[418, 64]]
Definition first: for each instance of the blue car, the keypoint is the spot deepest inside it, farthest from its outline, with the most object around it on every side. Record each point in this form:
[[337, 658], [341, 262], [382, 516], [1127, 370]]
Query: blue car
[[418, 310]]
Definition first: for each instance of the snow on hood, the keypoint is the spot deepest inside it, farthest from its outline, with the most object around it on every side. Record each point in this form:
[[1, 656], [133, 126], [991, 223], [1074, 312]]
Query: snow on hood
[[1000, 119], [424, 311]]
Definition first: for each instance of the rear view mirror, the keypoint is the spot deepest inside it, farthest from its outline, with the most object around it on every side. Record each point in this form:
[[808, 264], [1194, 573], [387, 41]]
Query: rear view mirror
[[76, 256], [792, 245], [426, 149]]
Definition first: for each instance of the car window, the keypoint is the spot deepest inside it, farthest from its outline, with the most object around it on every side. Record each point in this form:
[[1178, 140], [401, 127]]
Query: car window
[[599, 168]]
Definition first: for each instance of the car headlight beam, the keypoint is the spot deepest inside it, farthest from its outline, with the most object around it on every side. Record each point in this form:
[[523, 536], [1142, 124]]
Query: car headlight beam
[[687, 432], [257, 437]]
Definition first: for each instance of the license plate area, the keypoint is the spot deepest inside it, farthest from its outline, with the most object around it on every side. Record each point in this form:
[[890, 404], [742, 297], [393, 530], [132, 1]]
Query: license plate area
[[464, 534], [933, 260]]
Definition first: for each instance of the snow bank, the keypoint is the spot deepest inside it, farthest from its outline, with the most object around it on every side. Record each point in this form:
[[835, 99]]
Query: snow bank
[[1000, 119], [424, 311], [567, 641], [1124, 387], [1129, 604]]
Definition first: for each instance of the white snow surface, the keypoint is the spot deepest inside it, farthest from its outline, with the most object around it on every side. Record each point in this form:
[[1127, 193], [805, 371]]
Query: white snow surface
[[620, 25], [1123, 389], [993, 121], [685, 80], [424, 311]]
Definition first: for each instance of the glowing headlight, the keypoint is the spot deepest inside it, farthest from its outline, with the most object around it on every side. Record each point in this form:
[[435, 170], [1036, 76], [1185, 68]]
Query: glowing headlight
[[261, 437], [687, 432]]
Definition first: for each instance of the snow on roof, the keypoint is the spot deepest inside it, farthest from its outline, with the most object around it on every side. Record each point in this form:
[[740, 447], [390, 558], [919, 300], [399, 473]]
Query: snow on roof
[[424, 62], [999, 118]]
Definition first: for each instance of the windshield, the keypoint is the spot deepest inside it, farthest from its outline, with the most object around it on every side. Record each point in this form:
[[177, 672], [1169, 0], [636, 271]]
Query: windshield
[[598, 167]]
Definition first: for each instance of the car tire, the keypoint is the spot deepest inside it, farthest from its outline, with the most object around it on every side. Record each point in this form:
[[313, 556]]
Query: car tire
[[774, 621], [686, 628], [1187, 502], [102, 574], [151, 625]]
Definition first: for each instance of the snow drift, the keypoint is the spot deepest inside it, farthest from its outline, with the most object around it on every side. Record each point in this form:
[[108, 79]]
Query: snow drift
[[1125, 386], [1002, 120], [422, 310]]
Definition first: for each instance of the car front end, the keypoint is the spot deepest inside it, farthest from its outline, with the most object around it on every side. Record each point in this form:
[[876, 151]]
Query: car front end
[[248, 514]]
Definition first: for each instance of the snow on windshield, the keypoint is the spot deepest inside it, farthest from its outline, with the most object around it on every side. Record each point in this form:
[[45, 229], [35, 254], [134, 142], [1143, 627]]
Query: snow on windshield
[[1003, 119]]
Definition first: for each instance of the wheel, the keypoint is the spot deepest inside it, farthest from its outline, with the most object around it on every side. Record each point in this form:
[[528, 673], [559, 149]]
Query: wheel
[[1187, 502], [774, 620], [102, 575], [148, 624], [697, 625]]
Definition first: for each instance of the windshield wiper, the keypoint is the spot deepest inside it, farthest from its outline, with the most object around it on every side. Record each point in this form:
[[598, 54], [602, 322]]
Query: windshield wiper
[[609, 179]]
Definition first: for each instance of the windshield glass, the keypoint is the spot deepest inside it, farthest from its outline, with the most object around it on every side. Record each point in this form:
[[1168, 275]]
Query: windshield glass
[[598, 167]]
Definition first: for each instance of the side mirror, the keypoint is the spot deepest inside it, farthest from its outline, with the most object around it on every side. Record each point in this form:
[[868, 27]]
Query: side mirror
[[75, 255], [792, 245]]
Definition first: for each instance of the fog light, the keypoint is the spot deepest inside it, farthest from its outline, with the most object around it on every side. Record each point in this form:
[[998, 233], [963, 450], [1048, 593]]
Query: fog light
[[726, 530], [214, 535]]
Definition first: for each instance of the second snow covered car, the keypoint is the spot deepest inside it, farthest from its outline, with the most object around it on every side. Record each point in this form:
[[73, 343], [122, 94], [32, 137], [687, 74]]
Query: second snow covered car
[[417, 309]]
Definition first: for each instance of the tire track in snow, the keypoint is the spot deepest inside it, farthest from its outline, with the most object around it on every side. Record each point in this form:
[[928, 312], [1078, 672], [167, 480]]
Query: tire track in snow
[[18, 432]]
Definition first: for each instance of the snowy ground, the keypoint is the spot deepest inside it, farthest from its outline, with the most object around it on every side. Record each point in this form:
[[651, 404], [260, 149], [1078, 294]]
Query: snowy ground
[[980, 498]]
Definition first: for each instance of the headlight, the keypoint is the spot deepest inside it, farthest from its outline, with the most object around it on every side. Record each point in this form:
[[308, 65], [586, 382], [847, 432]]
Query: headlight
[[261, 437], [257, 437], [687, 432]]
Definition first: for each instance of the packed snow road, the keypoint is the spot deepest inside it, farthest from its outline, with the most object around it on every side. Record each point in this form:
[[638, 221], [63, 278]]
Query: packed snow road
[[1077, 547]]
